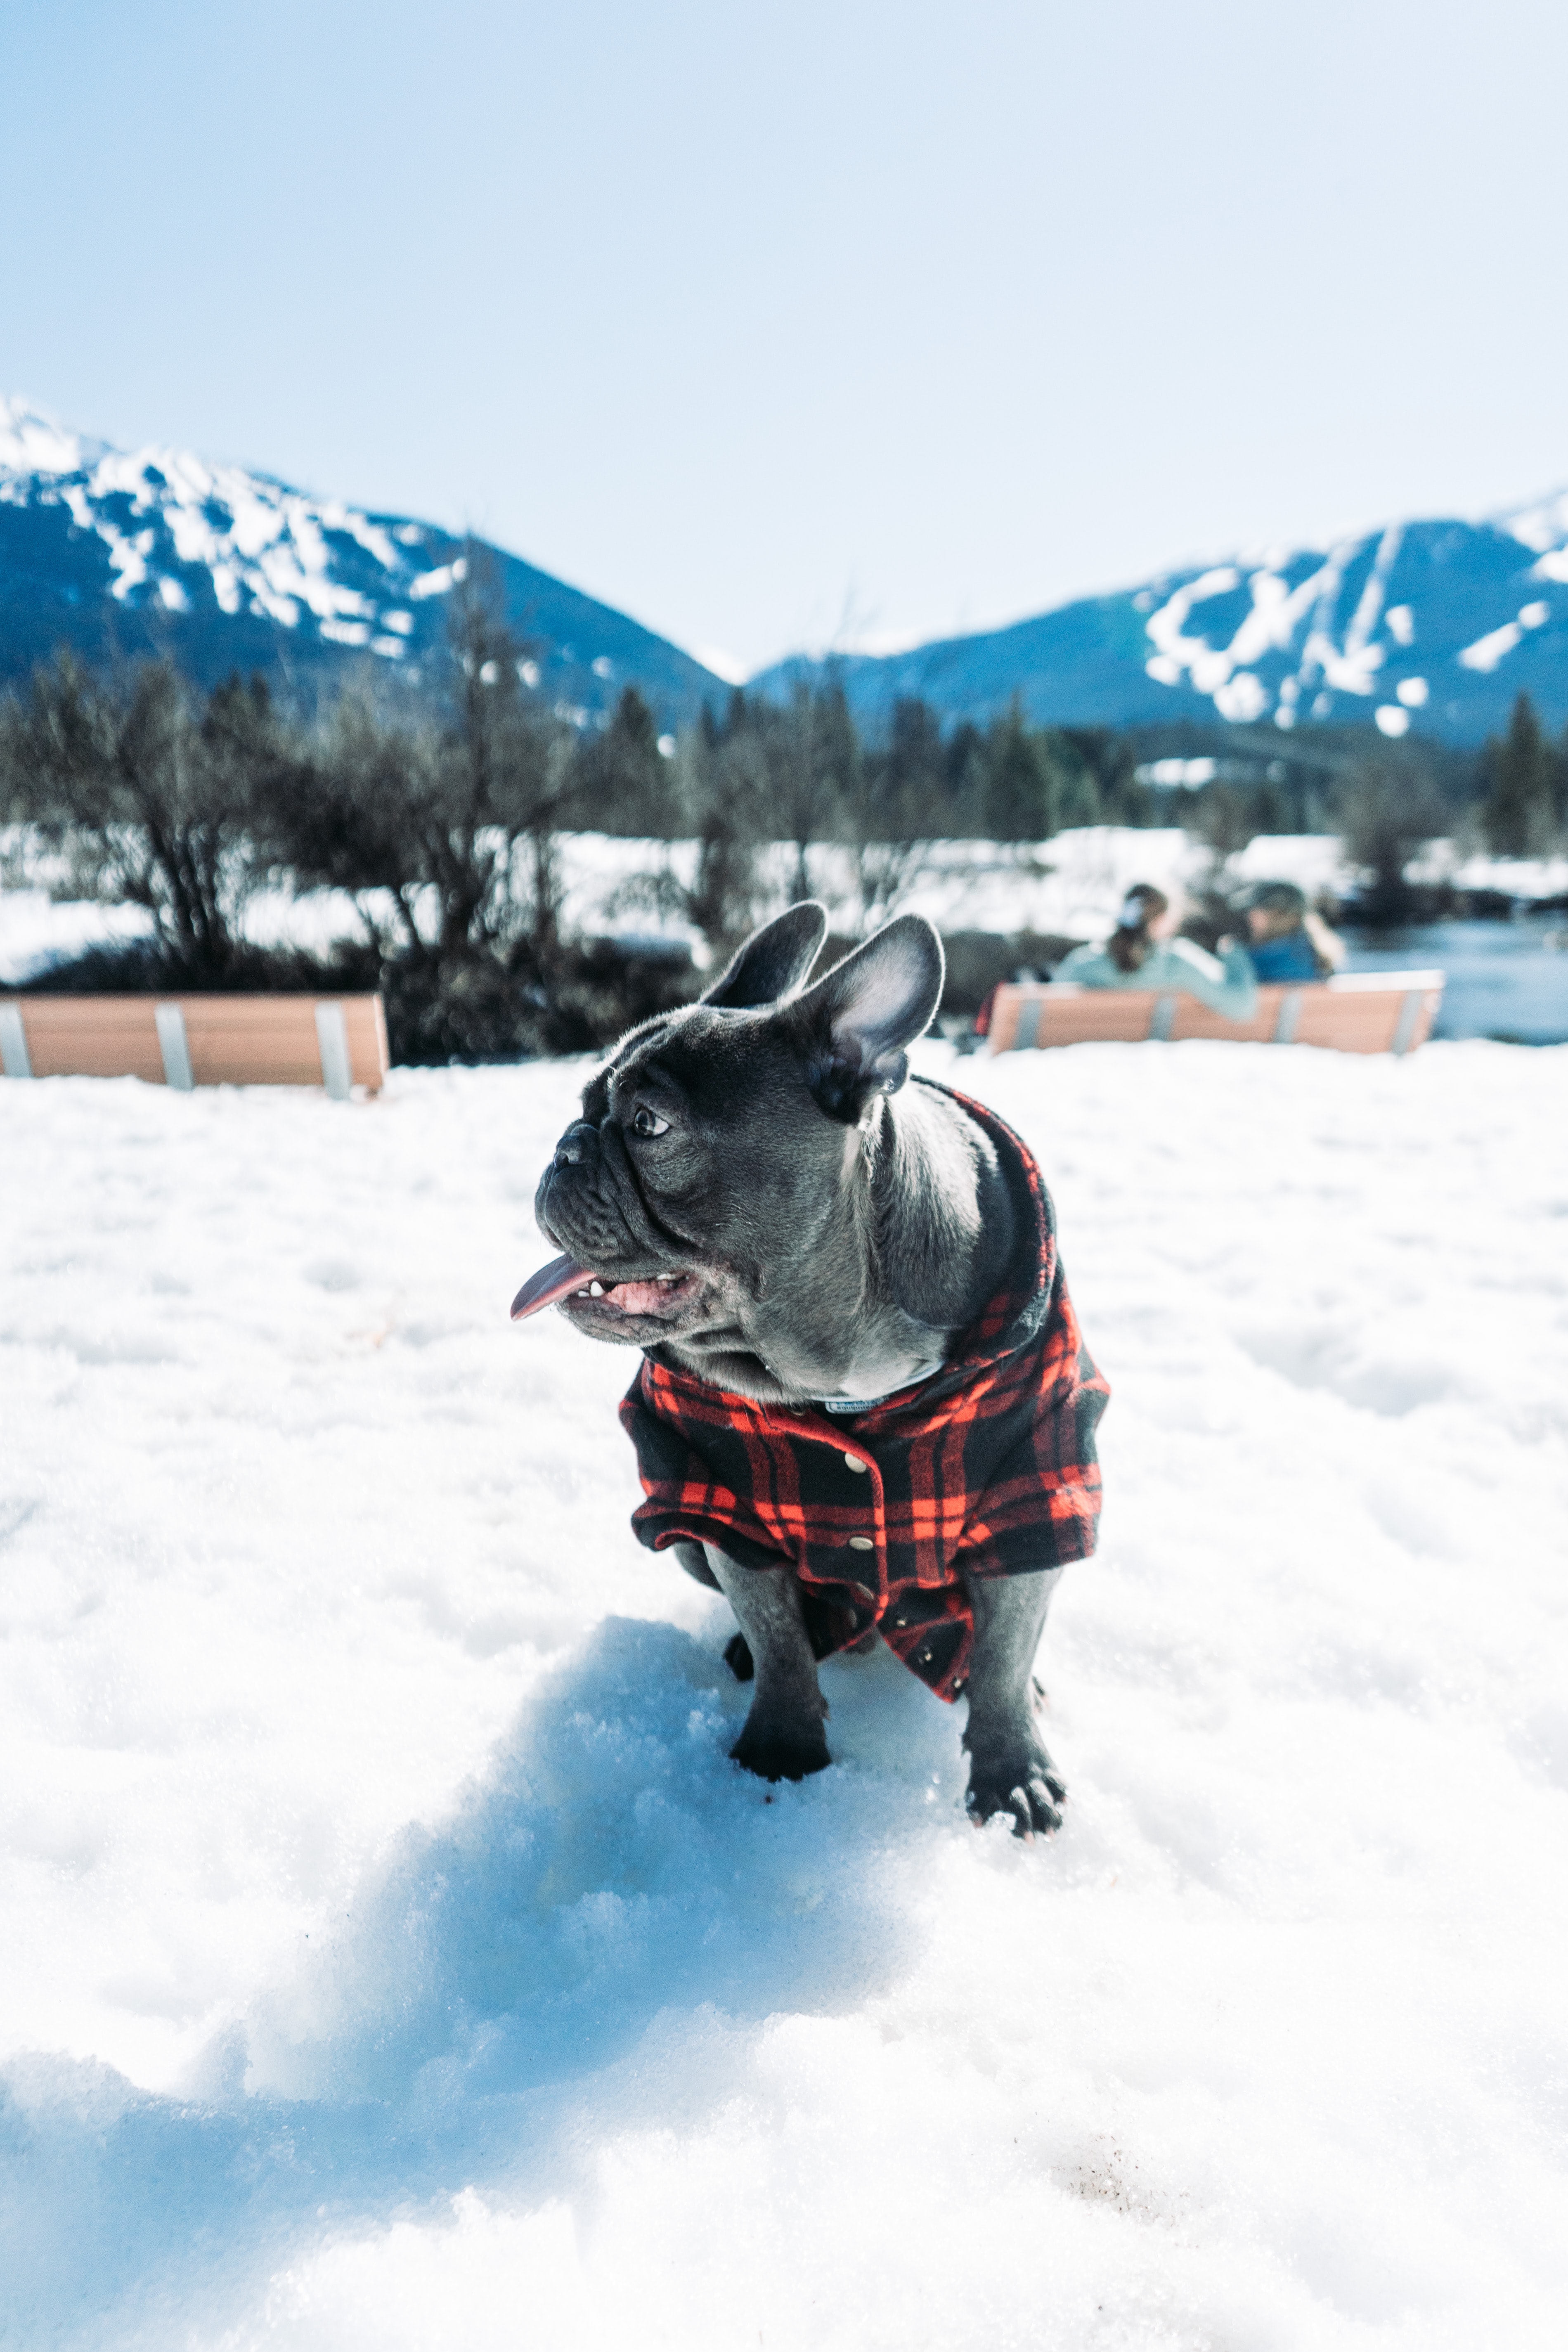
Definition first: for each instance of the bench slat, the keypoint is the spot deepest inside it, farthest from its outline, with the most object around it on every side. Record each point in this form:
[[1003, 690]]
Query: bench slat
[[1195, 1019], [1118, 1016], [229, 1039], [1357, 1012], [91, 1036]]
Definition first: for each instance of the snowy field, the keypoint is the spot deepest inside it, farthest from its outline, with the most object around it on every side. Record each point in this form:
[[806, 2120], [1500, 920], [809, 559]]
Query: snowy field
[[1070, 886], [393, 1959], [612, 884]]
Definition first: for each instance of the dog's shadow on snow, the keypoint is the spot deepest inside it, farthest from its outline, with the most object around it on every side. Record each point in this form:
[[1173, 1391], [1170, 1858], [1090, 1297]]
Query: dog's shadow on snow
[[611, 1869]]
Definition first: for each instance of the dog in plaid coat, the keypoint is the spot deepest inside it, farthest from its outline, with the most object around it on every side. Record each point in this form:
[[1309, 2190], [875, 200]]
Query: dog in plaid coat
[[865, 1407]]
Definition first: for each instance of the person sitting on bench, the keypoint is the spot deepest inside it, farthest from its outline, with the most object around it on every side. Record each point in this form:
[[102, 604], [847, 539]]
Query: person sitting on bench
[[1143, 952], [1289, 942]]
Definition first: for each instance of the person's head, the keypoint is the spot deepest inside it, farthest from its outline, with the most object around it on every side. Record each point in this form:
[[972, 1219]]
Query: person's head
[[1273, 910], [1146, 915]]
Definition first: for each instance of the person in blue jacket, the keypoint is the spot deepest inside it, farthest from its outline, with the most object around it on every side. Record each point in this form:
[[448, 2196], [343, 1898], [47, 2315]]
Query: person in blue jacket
[[1144, 951], [1287, 941]]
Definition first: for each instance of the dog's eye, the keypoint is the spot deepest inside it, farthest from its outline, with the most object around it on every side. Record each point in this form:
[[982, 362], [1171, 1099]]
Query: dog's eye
[[647, 1122]]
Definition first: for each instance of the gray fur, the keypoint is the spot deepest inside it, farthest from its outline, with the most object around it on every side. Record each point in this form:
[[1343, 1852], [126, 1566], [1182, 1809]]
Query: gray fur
[[833, 1229], [1009, 1769], [773, 960], [783, 1739]]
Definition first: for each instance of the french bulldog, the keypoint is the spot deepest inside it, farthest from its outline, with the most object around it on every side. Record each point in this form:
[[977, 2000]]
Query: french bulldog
[[807, 1248]]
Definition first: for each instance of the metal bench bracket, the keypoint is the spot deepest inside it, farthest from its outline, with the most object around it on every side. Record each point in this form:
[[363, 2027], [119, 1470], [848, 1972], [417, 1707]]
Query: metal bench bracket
[[337, 1069], [175, 1046], [14, 1058], [1409, 1015], [1285, 1020]]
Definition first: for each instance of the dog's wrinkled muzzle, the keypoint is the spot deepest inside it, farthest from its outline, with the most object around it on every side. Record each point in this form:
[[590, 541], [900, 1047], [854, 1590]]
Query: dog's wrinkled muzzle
[[587, 1198]]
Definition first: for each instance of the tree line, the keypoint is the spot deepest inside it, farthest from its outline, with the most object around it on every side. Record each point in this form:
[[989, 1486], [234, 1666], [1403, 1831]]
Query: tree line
[[1524, 785], [441, 816]]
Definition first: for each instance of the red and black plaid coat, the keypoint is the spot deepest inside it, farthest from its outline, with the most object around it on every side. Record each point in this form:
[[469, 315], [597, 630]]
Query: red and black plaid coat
[[988, 1467]]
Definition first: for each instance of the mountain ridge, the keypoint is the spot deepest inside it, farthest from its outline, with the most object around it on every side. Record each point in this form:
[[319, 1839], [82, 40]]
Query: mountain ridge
[[121, 554], [1435, 624]]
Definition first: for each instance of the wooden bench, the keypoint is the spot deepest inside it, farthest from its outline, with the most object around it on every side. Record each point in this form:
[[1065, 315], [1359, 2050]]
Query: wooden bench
[[336, 1042], [1354, 1012]]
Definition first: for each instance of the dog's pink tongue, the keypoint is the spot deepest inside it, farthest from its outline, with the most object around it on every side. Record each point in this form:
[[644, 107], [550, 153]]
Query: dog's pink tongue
[[551, 1282]]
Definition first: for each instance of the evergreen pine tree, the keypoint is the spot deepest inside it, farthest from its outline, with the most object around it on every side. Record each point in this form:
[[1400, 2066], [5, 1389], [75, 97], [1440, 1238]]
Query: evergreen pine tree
[[1076, 797], [623, 787], [1517, 810], [1019, 799], [963, 779]]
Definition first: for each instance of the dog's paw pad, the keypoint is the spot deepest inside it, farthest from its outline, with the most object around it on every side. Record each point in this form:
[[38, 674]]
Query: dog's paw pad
[[782, 1755]]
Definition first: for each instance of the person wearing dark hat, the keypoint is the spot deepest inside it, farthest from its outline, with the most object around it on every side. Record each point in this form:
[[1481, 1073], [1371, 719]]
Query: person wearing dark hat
[[1287, 941]]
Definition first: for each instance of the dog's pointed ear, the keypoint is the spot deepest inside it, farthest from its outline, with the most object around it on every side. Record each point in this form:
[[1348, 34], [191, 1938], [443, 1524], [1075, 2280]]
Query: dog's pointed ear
[[852, 1028], [773, 960]]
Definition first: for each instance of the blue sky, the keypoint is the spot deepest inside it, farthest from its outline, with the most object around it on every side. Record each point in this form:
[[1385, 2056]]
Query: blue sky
[[774, 325]]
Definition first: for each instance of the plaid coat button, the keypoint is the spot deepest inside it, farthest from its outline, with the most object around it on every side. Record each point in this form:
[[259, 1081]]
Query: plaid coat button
[[861, 1543], [853, 1461]]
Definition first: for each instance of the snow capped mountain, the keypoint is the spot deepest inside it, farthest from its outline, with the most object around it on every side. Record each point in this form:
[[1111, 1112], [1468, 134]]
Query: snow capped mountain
[[1437, 625], [120, 552]]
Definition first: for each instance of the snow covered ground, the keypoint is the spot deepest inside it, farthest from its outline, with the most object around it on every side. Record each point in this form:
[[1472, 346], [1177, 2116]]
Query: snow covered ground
[[394, 1960], [1070, 886]]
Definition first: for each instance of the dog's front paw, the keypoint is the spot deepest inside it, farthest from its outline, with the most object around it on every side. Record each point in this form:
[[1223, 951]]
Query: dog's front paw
[[1021, 1781], [776, 1751]]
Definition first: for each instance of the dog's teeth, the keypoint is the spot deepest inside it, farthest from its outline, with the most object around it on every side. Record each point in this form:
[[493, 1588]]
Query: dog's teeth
[[595, 1290]]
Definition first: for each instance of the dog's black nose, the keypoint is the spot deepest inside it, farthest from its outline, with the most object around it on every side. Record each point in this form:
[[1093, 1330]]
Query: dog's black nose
[[573, 1148]]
